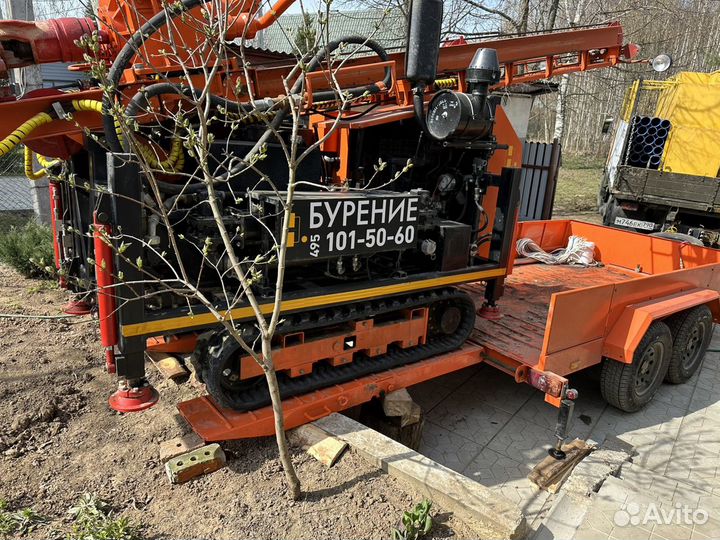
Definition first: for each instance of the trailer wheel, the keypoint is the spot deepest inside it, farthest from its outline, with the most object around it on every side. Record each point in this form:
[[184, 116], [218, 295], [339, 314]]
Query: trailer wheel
[[630, 387], [692, 331]]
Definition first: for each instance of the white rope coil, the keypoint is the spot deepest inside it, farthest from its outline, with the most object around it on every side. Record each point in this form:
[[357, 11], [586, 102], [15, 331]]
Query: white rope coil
[[579, 251]]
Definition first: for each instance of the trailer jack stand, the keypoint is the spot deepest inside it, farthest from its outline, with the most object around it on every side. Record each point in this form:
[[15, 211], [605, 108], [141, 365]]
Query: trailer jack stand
[[561, 428], [133, 396]]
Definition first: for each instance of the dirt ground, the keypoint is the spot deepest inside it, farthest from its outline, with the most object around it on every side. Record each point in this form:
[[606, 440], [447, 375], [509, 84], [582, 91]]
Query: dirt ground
[[59, 439]]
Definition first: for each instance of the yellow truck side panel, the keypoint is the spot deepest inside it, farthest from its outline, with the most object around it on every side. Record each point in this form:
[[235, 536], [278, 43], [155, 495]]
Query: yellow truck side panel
[[693, 107]]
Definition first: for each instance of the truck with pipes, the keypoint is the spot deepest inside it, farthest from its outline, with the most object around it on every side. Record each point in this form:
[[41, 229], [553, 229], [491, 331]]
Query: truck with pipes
[[384, 288], [663, 170]]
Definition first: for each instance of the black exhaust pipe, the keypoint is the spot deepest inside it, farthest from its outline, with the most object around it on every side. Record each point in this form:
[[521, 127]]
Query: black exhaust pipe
[[423, 41], [423, 48]]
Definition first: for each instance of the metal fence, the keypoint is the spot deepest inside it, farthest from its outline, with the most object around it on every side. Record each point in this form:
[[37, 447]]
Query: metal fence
[[540, 166], [16, 200]]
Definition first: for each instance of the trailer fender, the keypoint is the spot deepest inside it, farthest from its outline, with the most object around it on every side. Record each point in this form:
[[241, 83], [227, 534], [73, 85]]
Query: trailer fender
[[628, 331]]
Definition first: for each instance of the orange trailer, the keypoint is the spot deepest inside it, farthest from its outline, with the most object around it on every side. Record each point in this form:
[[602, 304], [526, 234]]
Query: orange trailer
[[645, 312]]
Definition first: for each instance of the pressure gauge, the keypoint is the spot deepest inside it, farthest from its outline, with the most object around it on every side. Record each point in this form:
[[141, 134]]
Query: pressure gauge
[[458, 115]]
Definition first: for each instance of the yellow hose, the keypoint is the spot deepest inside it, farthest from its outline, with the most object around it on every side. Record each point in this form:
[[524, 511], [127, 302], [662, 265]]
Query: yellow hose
[[45, 162], [175, 159], [9, 143], [30, 171], [445, 83]]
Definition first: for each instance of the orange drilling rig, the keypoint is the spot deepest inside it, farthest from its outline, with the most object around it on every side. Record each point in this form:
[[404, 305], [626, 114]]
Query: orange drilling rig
[[370, 297]]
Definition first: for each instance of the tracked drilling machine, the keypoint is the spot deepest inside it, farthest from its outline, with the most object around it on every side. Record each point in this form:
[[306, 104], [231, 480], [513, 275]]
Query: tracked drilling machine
[[370, 275]]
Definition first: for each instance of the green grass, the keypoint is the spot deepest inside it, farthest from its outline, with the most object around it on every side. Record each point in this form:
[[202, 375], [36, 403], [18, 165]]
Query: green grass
[[28, 249], [19, 522], [92, 519], [578, 184]]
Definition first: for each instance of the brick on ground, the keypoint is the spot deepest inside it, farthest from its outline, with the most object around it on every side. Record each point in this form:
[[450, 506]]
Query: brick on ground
[[203, 460], [179, 445]]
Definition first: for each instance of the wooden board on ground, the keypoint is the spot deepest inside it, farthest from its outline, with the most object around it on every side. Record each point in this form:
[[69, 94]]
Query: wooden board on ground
[[490, 515], [168, 366], [326, 449], [550, 473], [400, 403]]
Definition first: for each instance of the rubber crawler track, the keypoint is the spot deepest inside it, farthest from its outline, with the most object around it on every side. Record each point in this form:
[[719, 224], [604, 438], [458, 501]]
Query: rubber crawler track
[[222, 346]]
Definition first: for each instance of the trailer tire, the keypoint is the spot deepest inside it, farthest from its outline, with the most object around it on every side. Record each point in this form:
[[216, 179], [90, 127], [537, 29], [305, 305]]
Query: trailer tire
[[692, 331], [630, 387]]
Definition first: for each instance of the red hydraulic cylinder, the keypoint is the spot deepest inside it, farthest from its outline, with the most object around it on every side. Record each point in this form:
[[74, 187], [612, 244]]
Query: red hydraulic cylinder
[[55, 216], [24, 43], [106, 293]]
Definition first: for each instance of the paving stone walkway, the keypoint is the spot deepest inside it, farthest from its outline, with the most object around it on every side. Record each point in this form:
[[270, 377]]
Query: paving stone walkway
[[481, 423]]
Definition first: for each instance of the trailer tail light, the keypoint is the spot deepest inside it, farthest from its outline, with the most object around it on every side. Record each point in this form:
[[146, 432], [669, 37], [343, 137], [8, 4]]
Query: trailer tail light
[[545, 381], [632, 206], [571, 394]]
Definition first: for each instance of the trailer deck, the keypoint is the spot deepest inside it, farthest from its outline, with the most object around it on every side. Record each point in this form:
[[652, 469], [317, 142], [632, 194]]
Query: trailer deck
[[520, 332]]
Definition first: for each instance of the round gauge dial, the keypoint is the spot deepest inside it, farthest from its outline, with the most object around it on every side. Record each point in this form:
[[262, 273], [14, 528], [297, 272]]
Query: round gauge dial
[[444, 115]]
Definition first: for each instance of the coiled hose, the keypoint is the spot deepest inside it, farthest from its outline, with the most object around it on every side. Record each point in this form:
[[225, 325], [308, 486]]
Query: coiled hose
[[45, 163], [125, 56], [175, 159], [9, 143]]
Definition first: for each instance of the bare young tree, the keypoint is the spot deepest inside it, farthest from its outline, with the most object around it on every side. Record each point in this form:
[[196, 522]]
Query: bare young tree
[[178, 132]]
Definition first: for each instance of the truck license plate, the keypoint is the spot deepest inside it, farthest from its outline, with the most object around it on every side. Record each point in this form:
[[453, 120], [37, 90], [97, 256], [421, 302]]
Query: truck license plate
[[635, 223]]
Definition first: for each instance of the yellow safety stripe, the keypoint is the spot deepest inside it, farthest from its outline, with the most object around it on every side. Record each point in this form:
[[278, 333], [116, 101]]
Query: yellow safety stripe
[[187, 321]]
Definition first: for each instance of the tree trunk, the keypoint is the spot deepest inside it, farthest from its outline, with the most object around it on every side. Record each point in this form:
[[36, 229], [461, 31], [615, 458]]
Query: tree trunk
[[564, 82], [560, 108], [291, 477], [524, 16], [552, 16]]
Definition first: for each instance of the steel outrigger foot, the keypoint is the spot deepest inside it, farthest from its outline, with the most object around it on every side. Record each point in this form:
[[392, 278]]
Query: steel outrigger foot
[[490, 312], [133, 396], [567, 404], [77, 307]]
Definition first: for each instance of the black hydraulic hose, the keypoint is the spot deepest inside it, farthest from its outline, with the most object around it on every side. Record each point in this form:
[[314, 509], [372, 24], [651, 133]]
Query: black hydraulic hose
[[314, 63], [142, 99], [419, 109], [161, 19], [323, 54], [125, 56]]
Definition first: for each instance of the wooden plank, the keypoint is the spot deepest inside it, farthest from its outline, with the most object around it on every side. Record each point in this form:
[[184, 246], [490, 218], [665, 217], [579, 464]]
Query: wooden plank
[[326, 449], [489, 514], [179, 445], [168, 366], [550, 472]]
